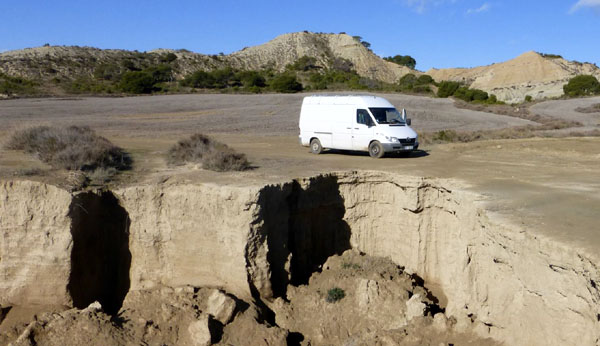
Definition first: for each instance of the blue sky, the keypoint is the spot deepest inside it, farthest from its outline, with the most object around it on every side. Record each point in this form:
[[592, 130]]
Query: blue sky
[[437, 33]]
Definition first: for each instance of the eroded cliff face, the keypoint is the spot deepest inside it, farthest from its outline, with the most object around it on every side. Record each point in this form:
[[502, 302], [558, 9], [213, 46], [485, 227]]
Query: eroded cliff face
[[35, 244], [258, 242]]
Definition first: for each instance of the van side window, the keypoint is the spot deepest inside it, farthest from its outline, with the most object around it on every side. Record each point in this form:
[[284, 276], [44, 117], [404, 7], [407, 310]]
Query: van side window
[[362, 117]]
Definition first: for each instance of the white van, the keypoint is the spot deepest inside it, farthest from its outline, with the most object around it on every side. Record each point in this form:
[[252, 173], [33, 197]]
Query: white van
[[364, 123]]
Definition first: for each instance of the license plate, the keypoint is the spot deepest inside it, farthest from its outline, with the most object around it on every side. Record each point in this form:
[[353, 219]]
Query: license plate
[[407, 147]]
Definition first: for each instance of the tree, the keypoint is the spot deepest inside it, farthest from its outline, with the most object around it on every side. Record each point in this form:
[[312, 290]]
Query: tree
[[582, 85], [404, 60]]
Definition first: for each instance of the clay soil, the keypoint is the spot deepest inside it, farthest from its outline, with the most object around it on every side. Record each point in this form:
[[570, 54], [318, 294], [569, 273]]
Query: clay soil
[[549, 186]]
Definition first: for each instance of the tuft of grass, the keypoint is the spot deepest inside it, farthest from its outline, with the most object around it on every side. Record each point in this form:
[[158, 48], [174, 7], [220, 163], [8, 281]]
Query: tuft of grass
[[213, 155], [71, 148], [350, 265], [335, 294]]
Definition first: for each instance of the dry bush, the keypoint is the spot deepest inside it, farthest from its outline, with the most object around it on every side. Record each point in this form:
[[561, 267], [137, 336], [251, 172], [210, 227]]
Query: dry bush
[[72, 148], [595, 108], [211, 154], [529, 131]]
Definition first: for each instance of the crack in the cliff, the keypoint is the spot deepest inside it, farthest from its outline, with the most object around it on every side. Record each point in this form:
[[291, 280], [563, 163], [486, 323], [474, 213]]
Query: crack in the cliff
[[100, 257]]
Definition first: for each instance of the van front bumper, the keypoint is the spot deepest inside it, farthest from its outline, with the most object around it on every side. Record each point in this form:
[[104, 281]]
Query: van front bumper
[[388, 147]]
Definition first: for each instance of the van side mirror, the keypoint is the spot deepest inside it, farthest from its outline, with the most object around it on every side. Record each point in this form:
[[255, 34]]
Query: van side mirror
[[408, 122]]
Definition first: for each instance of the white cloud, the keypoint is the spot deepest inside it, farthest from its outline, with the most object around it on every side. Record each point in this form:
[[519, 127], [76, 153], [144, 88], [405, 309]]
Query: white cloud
[[421, 6], [483, 8], [585, 3]]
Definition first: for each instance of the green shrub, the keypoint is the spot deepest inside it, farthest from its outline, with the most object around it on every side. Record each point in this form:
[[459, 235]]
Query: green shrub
[[224, 77], [404, 60], [285, 83], [343, 65], [421, 89], [445, 136], [87, 85], [129, 65], [16, 85], [251, 79], [447, 88], [169, 57], [469, 95], [211, 154], [137, 82], [217, 79], [199, 79], [304, 63], [582, 85], [425, 79], [160, 73], [410, 82], [528, 98], [335, 294], [407, 82], [107, 72], [550, 56], [72, 148]]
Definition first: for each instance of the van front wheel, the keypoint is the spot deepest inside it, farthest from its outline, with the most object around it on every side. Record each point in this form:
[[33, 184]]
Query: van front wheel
[[315, 146], [376, 150]]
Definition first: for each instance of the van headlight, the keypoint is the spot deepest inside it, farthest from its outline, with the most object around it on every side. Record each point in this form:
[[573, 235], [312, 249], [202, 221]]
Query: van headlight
[[392, 139]]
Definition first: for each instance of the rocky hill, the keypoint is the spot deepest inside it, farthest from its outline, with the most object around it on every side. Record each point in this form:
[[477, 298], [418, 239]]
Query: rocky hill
[[325, 48], [529, 74], [53, 64]]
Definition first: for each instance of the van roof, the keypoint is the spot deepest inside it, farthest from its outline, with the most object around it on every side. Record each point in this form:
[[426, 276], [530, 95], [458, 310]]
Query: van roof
[[358, 100]]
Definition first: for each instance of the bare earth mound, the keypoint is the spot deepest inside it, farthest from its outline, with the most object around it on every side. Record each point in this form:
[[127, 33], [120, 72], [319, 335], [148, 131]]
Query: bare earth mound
[[528, 74]]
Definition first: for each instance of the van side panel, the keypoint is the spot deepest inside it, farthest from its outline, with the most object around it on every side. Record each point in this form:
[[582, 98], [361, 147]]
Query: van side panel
[[315, 124], [342, 116]]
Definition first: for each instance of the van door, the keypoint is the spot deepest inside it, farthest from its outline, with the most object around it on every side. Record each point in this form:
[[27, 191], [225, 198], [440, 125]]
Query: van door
[[342, 128], [362, 130]]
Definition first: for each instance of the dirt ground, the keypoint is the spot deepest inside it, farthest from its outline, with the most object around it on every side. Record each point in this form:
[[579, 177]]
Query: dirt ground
[[549, 186]]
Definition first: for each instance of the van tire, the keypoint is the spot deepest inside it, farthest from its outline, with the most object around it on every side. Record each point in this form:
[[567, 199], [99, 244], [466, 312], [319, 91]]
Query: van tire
[[376, 150], [315, 146]]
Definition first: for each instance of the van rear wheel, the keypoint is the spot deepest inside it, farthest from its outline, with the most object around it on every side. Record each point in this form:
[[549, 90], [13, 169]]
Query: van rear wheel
[[376, 150], [315, 146]]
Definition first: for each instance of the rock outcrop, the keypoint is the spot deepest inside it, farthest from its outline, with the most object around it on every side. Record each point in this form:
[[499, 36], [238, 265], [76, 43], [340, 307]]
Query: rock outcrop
[[261, 243], [288, 48], [529, 74]]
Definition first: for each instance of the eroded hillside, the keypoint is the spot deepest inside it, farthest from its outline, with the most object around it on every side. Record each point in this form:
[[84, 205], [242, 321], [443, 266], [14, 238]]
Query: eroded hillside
[[271, 252], [53, 66], [529, 74]]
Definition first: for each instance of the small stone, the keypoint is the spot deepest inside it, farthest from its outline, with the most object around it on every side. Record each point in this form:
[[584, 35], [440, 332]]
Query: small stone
[[440, 322], [415, 307], [221, 306], [199, 332], [95, 306]]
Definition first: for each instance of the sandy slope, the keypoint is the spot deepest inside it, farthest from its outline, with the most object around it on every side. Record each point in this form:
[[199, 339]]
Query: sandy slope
[[528, 74]]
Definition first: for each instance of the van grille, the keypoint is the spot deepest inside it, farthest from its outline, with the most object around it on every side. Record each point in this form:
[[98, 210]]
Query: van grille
[[407, 141]]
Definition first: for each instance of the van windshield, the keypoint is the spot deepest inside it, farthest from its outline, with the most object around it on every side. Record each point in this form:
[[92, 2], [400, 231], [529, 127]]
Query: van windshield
[[387, 116]]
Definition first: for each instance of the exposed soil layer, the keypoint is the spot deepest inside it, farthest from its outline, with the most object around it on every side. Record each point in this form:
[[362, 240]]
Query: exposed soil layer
[[268, 245]]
